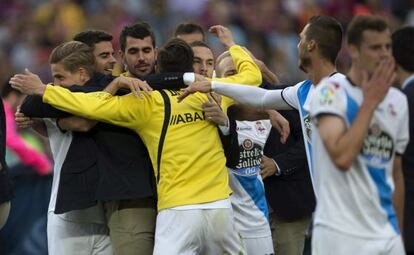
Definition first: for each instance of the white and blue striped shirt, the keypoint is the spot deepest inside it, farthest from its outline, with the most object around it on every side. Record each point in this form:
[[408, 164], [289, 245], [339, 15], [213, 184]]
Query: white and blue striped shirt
[[358, 202]]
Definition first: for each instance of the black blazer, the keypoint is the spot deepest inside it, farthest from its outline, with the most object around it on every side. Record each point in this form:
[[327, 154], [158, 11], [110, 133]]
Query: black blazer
[[291, 194], [79, 174], [5, 185], [408, 170]]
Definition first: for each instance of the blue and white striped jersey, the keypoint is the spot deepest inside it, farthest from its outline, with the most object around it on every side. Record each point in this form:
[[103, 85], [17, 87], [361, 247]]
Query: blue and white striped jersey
[[297, 97], [248, 199], [359, 201]]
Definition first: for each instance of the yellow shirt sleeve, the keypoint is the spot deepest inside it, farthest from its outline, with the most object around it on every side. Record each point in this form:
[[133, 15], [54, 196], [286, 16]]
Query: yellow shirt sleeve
[[126, 111], [248, 73]]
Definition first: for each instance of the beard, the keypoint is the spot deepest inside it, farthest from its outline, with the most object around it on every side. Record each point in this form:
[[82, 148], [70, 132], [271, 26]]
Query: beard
[[304, 63]]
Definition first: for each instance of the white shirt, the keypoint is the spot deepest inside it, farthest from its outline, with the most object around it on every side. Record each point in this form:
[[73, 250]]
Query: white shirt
[[358, 202], [248, 199], [291, 97], [59, 145]]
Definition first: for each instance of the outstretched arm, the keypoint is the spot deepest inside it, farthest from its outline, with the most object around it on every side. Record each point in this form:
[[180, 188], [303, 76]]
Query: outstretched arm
[[247, 95], [119, 110], [101, 106]]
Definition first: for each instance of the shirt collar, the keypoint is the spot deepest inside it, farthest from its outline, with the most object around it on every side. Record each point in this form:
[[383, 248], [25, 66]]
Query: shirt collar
[[407, 81]]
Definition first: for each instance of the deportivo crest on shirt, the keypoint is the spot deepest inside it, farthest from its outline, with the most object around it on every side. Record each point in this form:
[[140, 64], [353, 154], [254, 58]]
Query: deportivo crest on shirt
[[260, 128], [247, 144], [391, 110]]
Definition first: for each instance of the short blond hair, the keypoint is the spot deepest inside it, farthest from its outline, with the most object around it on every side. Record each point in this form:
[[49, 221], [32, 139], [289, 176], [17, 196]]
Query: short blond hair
[[220, 58], [72, 56]]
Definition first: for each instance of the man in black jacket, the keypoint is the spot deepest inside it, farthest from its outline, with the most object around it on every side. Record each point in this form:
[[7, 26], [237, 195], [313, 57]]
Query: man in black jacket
[[403, 51], [82, 224]]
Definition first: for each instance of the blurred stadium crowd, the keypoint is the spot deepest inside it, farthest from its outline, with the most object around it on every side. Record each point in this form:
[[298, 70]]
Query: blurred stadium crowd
[[29, 29]]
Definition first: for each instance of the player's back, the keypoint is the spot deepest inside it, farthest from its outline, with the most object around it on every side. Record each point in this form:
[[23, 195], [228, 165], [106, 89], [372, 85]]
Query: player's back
[[192, 164]]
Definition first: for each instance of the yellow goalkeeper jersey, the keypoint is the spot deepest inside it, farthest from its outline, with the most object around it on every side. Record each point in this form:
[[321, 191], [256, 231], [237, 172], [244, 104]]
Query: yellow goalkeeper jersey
[[185, 149]]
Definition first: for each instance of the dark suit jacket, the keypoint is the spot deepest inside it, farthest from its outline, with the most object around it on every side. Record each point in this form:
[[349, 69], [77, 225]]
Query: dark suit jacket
[[408, 170], [5, 185], [79, 176], [290, 195]]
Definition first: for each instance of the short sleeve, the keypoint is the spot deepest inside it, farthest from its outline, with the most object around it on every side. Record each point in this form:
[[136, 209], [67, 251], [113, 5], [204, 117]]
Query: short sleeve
[[403, 135], [290, 95], [329, 98]]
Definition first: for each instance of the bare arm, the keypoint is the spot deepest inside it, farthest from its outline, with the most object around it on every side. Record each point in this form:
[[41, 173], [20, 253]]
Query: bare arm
[[344, 144], [223, 34], [112, 87], [134, 84], [266, 73], [398, 195]]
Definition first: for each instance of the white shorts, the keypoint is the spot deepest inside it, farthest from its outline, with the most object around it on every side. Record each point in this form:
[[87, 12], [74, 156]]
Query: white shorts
[[67, 237], [326, 241], [259, 246], [197, 231]]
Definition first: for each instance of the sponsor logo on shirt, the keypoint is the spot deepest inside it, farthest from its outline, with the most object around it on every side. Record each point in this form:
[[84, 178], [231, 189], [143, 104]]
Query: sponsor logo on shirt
[[250, 156], [187, 117], [243, 128], [378, 146]]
